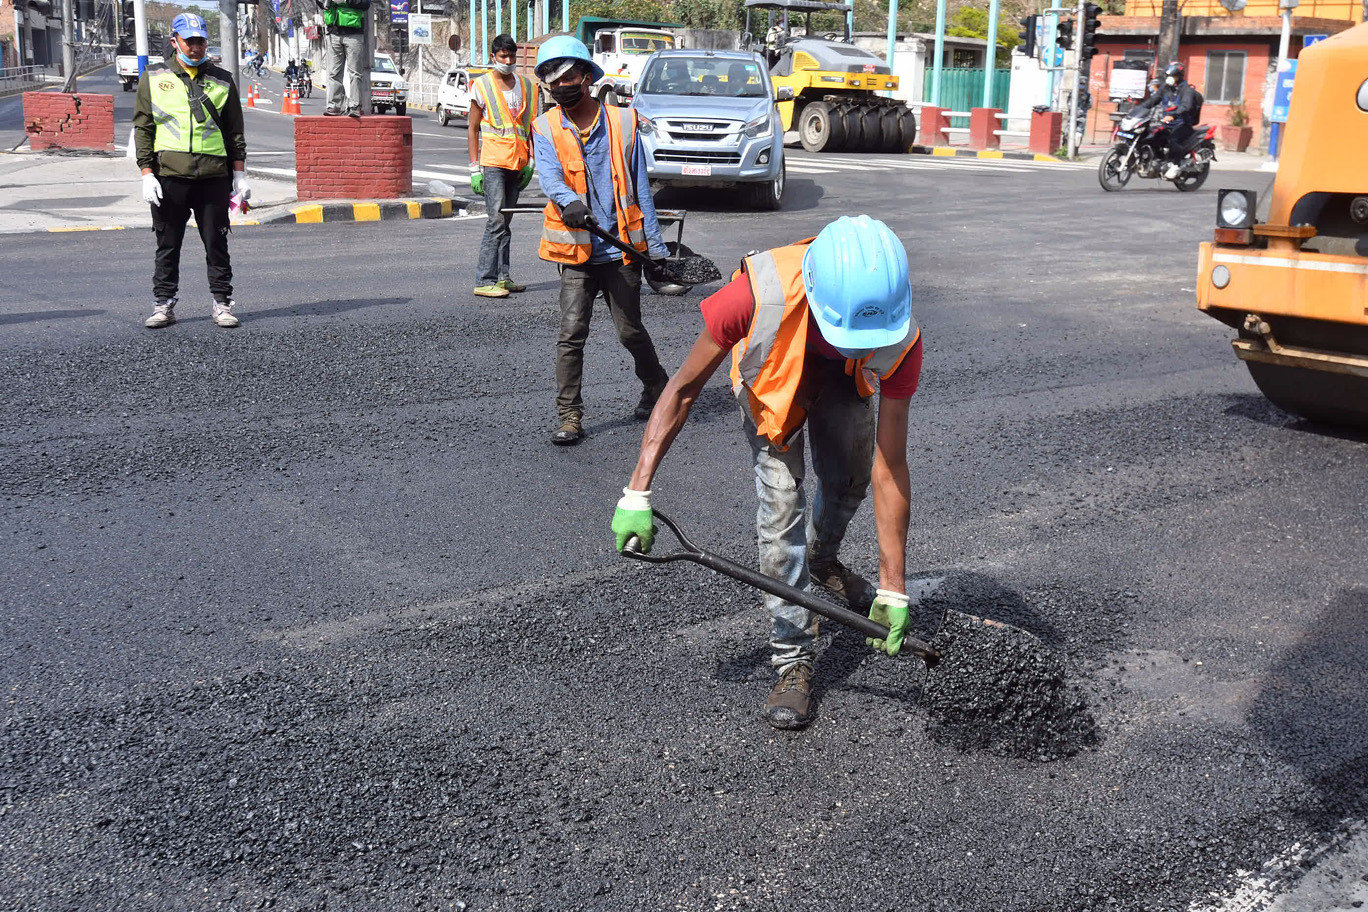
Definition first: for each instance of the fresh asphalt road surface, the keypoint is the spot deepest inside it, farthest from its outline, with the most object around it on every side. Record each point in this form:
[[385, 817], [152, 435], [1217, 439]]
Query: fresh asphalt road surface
[[310, 614]]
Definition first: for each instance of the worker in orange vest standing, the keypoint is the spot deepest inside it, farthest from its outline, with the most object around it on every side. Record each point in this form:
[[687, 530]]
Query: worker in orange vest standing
[[499, 131], [814, 329], [593, 172]]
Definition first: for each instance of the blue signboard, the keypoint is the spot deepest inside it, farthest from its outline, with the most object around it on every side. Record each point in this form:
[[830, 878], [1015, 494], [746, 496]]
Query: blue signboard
[[399, 10], [1282, 93], [1308, 40]]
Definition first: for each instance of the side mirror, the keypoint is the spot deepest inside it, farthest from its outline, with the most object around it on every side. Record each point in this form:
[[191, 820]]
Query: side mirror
[[402, 71], [784, 93]]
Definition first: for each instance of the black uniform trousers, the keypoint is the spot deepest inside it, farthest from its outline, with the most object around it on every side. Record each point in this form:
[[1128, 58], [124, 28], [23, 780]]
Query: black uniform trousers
[[208, 199]]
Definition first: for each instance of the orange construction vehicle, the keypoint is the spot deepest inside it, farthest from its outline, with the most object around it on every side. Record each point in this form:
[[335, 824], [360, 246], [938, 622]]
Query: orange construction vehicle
[[1295, 286]]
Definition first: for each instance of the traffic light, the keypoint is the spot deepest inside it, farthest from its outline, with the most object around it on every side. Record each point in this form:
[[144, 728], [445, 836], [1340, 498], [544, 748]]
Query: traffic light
[[1028, 35], [1087, 39], [128, 18], [1066, 34]]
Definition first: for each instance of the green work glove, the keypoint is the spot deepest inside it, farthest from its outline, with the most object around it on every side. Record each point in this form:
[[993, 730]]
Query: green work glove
[[889, 609], [476, 179], [634, 518], [525, 177]]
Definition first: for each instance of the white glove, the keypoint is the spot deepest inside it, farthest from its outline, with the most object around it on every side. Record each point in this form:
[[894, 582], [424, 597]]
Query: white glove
[[151, 192], [240, 185]]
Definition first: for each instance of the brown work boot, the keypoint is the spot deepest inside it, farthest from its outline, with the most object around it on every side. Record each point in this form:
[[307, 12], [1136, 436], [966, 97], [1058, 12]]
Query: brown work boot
[[789, 704], [569, 433], [839, 579]]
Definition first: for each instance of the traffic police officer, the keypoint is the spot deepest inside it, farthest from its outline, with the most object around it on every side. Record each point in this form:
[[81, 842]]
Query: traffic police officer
[[191, 149]]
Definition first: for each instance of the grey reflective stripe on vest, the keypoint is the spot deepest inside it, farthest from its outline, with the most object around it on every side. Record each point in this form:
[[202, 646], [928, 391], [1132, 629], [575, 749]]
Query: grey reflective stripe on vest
[[166, 120], [556, 236], [884, 360], [769, 314]]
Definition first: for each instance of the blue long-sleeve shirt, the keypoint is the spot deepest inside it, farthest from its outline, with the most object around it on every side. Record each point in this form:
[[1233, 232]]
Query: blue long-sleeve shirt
[[598, 163]]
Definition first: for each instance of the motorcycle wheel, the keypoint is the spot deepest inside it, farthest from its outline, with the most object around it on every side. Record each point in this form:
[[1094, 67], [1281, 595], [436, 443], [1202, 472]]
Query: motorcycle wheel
[[1110, 174], [1191, 180]]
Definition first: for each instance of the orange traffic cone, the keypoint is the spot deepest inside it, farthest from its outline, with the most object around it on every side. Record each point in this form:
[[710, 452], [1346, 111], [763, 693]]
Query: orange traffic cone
[[290, 104], [251, 96]]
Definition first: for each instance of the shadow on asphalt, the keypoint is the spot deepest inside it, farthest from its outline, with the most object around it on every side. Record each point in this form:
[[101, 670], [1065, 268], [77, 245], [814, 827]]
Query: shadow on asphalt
[[800, 194], [322, 308], [1312, 714], [1258, 409], [38, 316]]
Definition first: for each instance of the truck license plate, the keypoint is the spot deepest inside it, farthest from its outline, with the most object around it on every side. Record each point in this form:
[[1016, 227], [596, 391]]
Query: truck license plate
[[698, 170]]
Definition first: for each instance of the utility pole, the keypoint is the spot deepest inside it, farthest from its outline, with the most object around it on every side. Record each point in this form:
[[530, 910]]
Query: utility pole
[[228, 36], [68, 46], [990, 59], [140, 34], [1166, 49], [938, 58]]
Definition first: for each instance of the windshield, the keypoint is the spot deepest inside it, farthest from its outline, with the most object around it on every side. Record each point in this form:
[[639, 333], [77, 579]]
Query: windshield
[[704, 76], [644, 43], [384, 65]]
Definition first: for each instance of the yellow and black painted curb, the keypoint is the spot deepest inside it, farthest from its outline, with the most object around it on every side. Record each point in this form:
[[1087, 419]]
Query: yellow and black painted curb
[[951, 152], [430, 207]]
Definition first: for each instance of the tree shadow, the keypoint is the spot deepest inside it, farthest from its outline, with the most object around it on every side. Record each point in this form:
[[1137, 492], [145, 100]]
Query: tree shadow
[[1311, 710], [37, 316]]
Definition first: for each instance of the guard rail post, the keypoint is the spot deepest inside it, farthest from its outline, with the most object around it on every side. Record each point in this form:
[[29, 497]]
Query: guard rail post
[[1047, 131], [933, 124], [983, 124]]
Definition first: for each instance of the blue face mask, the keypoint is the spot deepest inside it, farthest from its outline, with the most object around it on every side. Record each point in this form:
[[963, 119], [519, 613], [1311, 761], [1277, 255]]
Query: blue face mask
[[186, 61]]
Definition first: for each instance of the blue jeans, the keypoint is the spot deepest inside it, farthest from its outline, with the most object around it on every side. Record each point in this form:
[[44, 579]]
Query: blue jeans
[[840, 431], [500, 191]]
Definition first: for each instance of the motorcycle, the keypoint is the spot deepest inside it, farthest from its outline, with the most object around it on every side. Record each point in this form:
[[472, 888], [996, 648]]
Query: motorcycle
[[1140, 146], [302, 84]]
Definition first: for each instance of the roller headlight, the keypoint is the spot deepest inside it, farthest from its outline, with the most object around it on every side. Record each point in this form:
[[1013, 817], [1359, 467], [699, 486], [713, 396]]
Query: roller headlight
[[1220, 276], [1235, 208]]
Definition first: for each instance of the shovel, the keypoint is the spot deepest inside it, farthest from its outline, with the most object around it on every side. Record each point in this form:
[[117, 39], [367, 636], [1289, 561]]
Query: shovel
[[685, 270], [837, 613]]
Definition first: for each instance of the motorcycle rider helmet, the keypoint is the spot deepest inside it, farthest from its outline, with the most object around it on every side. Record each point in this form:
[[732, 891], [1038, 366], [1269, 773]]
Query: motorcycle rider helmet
[[1174, 73]]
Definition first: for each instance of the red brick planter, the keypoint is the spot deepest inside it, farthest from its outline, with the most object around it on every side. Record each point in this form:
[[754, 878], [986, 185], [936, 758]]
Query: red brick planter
[[55, 120], [353, 158]]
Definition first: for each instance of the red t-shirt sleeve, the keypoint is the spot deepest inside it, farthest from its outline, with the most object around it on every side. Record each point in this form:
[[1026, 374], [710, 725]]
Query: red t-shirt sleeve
[[903, 383], [727, 312]]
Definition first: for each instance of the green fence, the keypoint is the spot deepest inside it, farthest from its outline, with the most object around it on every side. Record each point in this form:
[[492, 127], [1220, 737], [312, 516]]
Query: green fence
[[962, 88]]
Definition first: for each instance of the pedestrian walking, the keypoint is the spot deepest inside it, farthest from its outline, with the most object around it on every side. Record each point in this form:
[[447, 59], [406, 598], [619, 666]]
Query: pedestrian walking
[[498, 129], [815, 330], [188, 131], [344, 21], [593, 172]]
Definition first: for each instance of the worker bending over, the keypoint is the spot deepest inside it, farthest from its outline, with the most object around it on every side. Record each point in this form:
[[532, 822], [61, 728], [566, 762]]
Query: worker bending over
[[814, 329]]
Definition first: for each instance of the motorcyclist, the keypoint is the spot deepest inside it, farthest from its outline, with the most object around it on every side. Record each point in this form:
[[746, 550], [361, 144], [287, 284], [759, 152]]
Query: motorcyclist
[[292, 71], [1177, 99]]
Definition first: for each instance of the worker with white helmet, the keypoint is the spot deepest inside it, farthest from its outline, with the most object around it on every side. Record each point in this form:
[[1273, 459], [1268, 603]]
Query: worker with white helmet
[[815, 330], [592, 169]]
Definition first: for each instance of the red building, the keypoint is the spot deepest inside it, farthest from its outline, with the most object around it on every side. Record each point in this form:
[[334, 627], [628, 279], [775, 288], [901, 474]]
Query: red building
[[1231, 59]]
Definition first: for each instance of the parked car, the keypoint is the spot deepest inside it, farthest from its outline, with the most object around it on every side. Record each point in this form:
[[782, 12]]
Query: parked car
[[711, 121], [389, 91], [453, 97], [215, 54]]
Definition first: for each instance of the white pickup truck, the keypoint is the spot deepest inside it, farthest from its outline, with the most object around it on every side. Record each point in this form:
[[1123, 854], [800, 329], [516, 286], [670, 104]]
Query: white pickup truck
[[453, 98], [126, 67], [621, 49]]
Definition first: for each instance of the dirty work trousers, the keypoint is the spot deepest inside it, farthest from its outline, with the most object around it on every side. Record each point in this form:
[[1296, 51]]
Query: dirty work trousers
[[500, 192], [840, 433], [621, 287], [344, 53], [207, 199]]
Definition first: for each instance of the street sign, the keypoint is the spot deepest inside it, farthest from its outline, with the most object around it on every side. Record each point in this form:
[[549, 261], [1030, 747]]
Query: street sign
[[1308, 40], [1282, 93], [420, 28], [399, 11]]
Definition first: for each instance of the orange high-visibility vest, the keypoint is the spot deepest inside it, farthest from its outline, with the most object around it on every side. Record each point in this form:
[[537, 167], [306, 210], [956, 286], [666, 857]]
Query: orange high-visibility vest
[[505, 135], [767, 365], [559, 243]]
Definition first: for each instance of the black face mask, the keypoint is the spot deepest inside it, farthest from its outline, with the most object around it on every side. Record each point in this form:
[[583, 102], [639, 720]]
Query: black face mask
[[567, 96]]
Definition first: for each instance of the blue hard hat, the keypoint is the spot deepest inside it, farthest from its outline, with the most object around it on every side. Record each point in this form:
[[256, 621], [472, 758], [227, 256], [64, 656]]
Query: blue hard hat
[[188, 25], [562, 47], [855, 275]]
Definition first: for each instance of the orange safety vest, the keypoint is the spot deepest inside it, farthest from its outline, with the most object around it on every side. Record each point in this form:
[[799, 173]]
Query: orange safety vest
[[767, 365], [560, 244], [505, 135]]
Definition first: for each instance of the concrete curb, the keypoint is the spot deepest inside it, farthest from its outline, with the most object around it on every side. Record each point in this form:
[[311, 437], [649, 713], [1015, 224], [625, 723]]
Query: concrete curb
[[950, 152], [430, 207]]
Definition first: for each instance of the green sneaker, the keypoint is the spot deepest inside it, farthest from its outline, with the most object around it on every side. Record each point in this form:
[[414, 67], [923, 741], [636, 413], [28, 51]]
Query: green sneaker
[[491, 291], [510, 285]]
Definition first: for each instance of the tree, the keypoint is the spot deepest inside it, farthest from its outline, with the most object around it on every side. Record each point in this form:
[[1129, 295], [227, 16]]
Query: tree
[[972, 22]]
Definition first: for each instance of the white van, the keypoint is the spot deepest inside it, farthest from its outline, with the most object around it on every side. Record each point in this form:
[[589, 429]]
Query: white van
[[453, 97]]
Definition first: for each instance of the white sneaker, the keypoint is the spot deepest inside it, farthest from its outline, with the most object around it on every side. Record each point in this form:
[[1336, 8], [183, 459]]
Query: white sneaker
[[163, 314], [1172, 171], [223, 314]]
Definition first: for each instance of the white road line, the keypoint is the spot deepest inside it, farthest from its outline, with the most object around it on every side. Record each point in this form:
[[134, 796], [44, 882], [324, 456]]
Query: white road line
[[444, 175], [283, 172]]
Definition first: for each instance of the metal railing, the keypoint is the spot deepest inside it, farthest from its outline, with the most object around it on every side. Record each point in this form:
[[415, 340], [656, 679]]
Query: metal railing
[[15, 78]]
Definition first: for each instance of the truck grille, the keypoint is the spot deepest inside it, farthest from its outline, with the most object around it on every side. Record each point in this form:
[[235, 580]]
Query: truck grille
[[698, 158]]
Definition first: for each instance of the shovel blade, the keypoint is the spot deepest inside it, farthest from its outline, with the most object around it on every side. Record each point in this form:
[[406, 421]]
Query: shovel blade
[[690, 270]]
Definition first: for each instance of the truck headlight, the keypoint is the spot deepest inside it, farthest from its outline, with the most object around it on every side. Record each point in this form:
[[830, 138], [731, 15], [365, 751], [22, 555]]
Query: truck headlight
[[761, 126], [645, 127], [1235, 208]]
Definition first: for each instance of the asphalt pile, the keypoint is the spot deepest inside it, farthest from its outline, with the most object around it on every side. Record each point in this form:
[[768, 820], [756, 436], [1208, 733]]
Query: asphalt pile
[[999, 689], [692, 270]]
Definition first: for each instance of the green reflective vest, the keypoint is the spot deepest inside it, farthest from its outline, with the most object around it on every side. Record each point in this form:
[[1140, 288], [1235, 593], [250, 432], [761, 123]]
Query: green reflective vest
[[344, 17], [182, 125]]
